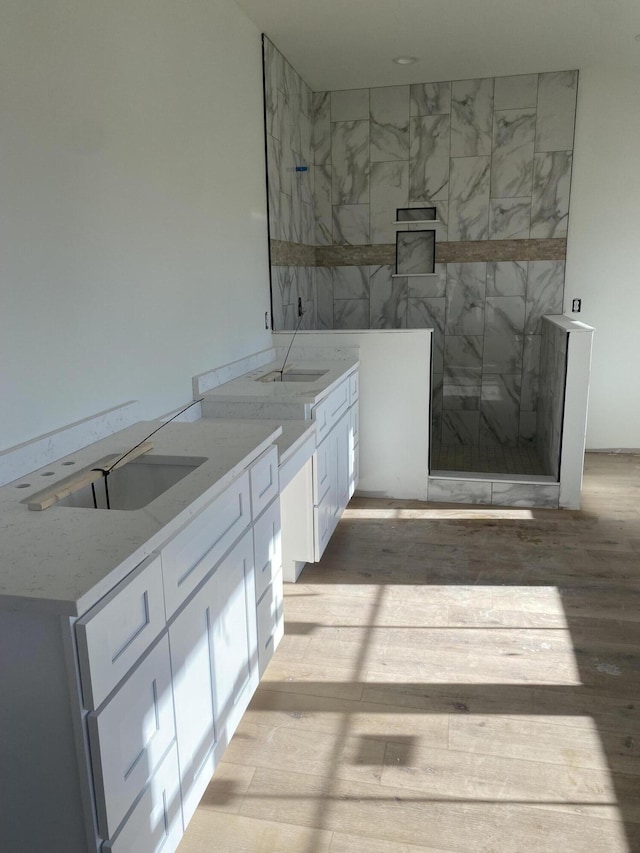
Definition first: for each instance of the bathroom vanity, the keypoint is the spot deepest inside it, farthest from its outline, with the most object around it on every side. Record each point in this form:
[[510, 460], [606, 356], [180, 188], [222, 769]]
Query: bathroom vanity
[[133, 640], [326, 393]]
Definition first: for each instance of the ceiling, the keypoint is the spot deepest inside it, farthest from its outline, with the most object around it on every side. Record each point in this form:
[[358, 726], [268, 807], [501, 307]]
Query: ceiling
[[345, 44]]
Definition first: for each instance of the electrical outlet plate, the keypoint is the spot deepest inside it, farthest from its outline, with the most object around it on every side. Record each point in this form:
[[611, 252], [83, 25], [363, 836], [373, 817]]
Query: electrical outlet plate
[[576, 305]]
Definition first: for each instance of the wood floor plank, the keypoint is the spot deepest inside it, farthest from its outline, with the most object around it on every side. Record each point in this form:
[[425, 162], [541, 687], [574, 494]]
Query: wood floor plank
[[212, 832], [312, 714], [541, 741], [339, 755], [405, 815]]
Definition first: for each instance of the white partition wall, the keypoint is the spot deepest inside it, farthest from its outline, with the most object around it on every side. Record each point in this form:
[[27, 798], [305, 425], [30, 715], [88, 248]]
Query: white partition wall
[[395, 370]]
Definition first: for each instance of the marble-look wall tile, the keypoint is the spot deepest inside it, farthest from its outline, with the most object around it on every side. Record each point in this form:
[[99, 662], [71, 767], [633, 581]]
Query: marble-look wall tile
[[322, 207], [460, 427], [545, 293], [350, 162], [273, 186], [351, 314], [321, 120], [350, 282], [463, 351], [324, 291], [528, 427], [512, 156], [441, 222], [515, 92], [509, 218], [557, 93], [429, 158], [465, 295], [461, 389], [415, 252], [389, 191], [550, 202], [351, 224], [389, 123], [504, 315], [500, 410], [436, 408], [304, 281], [388, 303], [429, 287], [283, 285], [350, 105], [530, 373], [469, 198], [429, 313], [471, 117], [507, 278], [430, 99], [502, 354]]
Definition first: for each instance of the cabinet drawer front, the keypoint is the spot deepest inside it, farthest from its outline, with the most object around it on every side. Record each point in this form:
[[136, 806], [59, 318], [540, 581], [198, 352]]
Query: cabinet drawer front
[[321, 417], [130, 735], [155, 824], [264, 480], [354, 387], [267, 546], [196, 549], [329, 411], [115, 633], [338, 402], [270, 614]]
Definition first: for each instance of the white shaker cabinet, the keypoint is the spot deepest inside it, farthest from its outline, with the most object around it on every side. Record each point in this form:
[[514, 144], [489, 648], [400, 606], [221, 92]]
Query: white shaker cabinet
[[214, 663]]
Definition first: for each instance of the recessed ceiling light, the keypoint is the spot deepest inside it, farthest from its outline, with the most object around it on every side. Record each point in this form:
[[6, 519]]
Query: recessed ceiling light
[[405, 60]]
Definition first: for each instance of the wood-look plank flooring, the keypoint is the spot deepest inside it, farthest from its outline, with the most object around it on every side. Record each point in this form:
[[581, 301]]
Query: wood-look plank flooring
[[459, 679]]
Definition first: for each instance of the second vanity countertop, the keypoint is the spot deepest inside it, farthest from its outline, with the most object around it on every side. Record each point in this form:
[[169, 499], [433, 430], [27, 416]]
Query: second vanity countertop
[[63, 559], [248, 389]]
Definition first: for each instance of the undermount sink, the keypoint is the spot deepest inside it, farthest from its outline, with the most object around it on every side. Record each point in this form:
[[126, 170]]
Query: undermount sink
[[293, 375], [135, 484]]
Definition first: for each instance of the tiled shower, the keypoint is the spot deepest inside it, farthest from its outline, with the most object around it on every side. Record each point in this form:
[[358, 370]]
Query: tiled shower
[[493, 156]]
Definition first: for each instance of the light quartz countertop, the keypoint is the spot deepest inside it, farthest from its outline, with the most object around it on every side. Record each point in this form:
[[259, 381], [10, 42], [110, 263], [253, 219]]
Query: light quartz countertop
[[269, 398], [62, 560]]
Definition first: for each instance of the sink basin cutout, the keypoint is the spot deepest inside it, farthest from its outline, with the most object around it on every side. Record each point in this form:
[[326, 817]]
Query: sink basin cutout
[[293, 375], [135, 484]]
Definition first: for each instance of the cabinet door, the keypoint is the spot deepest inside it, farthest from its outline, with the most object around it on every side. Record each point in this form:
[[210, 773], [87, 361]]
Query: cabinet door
[[267, 547], [130, 735], [214, 664], [155, 824], [270, 612]]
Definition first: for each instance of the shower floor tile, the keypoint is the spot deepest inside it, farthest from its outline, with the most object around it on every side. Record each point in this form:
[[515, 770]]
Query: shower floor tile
[[486, 460]]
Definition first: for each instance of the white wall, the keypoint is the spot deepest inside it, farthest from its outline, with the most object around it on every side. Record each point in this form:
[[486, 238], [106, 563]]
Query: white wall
[[395, 370], [133, 247], [603, 255]]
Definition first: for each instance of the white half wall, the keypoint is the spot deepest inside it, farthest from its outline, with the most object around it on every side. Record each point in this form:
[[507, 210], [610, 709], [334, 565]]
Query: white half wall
[[603, 252], [133, 237], [395, 370]]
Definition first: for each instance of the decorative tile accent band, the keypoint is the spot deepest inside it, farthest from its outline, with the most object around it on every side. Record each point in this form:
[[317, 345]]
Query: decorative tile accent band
[[471, 251], [284, 254]]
